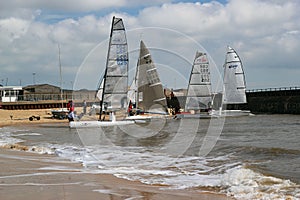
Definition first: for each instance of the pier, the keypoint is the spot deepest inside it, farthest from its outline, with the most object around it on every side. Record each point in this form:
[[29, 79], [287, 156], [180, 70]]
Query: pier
[[44, 104], [283, 100]]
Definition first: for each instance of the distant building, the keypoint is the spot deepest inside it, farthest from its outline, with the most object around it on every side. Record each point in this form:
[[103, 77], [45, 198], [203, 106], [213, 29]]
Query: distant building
[[41, 89], [10, 93], [50, 92], [41, 92]]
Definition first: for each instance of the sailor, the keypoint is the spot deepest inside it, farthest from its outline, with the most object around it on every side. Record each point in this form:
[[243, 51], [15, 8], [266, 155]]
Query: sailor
[[71, 116], [130, 109], [70, 105]]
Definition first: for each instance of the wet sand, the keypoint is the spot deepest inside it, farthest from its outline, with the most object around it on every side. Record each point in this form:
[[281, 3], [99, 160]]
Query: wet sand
[[27, 175]]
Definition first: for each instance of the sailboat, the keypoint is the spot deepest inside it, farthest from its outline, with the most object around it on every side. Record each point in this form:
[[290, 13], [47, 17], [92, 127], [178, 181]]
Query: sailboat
[[199, 98], [146, 92], [114, 86], [234, 91]]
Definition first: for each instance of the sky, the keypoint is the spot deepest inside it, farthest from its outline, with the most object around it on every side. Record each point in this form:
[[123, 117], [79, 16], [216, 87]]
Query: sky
[[265, 34]]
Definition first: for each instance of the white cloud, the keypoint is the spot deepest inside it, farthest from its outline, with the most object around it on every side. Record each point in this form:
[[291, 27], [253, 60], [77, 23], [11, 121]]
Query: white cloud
[[75, 6], [265, 33], [13, 28]]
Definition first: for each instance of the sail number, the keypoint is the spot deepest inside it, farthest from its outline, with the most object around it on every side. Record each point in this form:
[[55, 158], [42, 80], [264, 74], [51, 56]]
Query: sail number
[[121, 55], [122, 59], [232, 66]]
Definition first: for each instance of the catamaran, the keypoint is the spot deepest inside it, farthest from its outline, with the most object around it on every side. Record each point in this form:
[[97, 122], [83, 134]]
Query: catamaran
[[146, 91], [199, 97], [114, 86], [234, 91]]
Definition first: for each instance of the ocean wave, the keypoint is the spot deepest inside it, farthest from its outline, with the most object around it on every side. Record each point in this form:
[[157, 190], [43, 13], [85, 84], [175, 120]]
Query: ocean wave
[[243, 183], [28, 134], [223, 172]]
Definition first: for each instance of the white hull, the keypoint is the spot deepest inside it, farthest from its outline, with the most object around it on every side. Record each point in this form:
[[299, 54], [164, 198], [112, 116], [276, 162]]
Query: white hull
[[147, 118], [195, 116], [95, 124], [215, 114], [232, 113]]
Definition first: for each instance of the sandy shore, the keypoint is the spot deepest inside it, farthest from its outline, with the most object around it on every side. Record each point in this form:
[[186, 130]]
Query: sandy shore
[[15, 117], [26, 175]]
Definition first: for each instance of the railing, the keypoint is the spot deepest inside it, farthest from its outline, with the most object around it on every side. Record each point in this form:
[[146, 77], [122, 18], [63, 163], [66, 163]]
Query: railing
[[56, 97], [273, 89]]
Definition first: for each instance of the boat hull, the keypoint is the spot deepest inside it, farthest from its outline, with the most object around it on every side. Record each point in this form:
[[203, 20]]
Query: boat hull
[[194, 116], [232, 113], [95, 124]]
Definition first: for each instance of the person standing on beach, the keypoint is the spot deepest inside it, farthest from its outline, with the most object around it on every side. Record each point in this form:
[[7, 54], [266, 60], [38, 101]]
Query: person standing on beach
[[70, 106], [71, 116]]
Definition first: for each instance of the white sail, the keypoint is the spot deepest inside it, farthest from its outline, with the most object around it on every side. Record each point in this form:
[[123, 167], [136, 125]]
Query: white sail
[[132, 92], [115, 81], [100, 90], [199, 88], [234, 79], [150, 94]]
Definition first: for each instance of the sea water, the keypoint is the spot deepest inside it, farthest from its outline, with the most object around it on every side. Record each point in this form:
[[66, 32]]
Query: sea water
[[255, 157]]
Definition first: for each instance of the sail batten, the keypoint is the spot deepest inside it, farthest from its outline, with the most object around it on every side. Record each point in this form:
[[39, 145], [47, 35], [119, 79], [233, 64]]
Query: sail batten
[[199, 89]]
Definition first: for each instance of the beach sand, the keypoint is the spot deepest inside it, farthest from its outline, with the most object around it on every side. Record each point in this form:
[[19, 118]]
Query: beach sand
[[27, 175], [15, 117]]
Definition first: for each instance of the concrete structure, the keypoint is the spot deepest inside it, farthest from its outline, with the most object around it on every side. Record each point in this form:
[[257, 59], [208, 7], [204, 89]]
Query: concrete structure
[[274, 100]]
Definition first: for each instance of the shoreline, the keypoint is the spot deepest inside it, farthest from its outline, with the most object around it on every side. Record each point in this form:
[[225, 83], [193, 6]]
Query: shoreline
[[23, 173]]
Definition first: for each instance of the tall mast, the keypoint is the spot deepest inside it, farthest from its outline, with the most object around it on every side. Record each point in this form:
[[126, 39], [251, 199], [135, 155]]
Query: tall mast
[[60, 77], [105, 73], [136, 92]]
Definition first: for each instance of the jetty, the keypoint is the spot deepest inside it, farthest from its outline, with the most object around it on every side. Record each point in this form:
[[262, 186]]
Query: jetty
[[282, 100]]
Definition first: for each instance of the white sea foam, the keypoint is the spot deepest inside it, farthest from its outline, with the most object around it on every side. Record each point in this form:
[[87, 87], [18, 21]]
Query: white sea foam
[[28, 134], [243, 183], [183, 172], [145, 166], [41, 150], [152, 167], [6, 138], [108, 192]]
